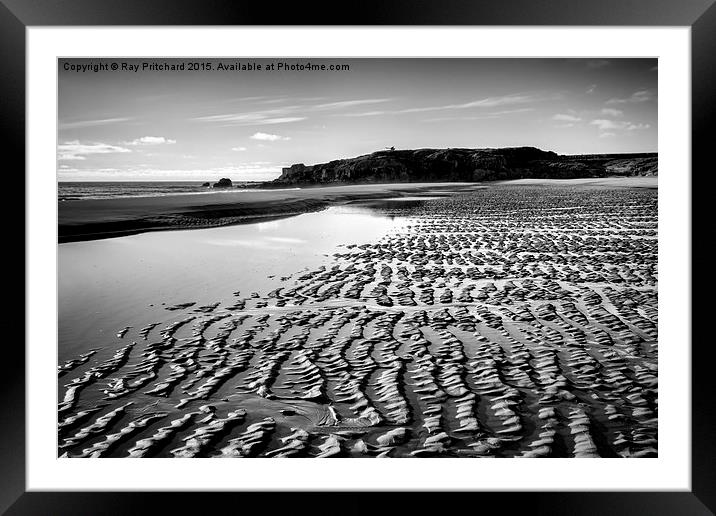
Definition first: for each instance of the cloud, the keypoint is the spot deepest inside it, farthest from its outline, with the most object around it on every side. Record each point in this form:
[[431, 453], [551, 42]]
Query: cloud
[[238, 149], [259, 97], [566, 118], [74, 150], [604, 124], [486, 116], [235, 117], [91, 123], [284, 120], [370, 113], [269, 117], [611, 112], [151, 140], [276, 100], [488, 102], [509, 111], [611, 125], [637, 96], [349, 103], [268, 137], [296, 113], [282, 114], [592, 88]]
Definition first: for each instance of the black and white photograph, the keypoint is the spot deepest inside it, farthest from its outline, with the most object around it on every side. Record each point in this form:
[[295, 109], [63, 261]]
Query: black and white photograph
[[357, 258]]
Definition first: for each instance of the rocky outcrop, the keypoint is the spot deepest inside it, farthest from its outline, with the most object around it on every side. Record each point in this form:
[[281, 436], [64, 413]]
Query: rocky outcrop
[[647, 166], [435, 165], [224, 182]]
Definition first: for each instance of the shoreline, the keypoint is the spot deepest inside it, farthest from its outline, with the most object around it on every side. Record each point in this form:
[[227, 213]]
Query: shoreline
[[94, 219]]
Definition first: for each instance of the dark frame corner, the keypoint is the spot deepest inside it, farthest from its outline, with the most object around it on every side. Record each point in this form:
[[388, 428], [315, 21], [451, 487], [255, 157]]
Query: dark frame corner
[[700, 15]]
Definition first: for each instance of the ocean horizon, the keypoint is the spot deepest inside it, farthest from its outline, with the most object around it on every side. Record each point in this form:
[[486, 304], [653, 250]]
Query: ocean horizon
[[81, 190]]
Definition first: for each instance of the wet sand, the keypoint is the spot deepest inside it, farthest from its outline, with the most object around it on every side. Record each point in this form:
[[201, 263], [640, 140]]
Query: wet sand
[[611, 182], [91, 219], [508, 321]]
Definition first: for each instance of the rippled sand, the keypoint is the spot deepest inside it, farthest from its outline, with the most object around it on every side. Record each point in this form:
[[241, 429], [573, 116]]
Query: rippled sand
[[505, 322]]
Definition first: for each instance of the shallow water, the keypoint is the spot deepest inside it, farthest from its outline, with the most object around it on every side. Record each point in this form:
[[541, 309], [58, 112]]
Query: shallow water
[[73, 191], [103, 282], [413, 198]]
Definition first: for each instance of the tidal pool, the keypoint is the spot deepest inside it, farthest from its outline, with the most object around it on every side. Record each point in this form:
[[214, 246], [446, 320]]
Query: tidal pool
[[103, 283]]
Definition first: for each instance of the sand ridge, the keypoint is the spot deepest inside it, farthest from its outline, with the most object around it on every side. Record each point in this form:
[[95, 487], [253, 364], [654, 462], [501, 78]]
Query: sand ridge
[[510, 321]]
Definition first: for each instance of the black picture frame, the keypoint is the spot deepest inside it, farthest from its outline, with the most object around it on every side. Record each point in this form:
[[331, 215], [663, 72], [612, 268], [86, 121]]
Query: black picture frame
[[700, 15]]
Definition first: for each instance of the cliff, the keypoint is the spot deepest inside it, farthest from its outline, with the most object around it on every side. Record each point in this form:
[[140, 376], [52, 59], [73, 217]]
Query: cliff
[[436, 165]]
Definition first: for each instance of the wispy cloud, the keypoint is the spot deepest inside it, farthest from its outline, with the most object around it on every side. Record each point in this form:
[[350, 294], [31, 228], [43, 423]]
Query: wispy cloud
[[284, 120], [603, 124], [255, 98], [274, 100], [151, 140], [486, 116], [369, 113], [561, 117], [281, 114], [637, 96], [504, 100], [349, 103], [74, 150], [268, 137], [235, 117], [91, 123], [488, 102], [296, 113], [611, 125], [238, 149], [611, 112], [268, 117]]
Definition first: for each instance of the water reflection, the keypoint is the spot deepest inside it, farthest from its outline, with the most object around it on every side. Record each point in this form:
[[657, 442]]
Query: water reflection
[[104, 282], [390, 208]]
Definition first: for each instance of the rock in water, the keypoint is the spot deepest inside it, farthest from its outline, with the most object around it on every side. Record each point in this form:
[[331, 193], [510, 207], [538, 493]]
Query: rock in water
[[224, 182]]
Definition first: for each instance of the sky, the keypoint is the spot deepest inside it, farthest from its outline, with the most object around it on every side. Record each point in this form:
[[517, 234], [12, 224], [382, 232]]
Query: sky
[[155, 124]]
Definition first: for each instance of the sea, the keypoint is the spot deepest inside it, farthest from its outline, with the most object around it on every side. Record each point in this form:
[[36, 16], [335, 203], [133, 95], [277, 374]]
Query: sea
[[73, 191]]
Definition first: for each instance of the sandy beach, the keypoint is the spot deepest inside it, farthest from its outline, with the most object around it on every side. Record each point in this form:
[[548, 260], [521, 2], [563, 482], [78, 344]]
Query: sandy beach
[[513, 319]]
